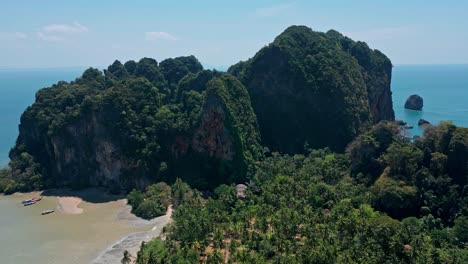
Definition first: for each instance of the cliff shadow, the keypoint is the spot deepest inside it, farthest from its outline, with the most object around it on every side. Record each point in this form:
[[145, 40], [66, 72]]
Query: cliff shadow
[[91, 195]]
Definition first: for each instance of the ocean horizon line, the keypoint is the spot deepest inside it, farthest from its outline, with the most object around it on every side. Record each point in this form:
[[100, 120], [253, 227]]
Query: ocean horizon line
[[31, 68]]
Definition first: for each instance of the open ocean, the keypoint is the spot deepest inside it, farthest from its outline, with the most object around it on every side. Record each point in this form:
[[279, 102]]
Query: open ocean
[[444, 89]]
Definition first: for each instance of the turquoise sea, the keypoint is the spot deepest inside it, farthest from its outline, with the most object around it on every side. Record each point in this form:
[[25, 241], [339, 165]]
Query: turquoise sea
[[444, 89]]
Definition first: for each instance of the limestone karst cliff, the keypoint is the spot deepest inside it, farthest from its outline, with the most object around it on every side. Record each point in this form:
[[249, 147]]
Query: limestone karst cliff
[[315, 88], [141, 122], [130, 126]]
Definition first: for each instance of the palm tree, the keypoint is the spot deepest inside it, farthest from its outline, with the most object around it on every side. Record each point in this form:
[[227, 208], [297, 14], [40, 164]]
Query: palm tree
[[126, 257]]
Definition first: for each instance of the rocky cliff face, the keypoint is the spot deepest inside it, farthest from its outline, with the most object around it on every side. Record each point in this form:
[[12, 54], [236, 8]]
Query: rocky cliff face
[[212, 136], [125, 136], [317, 89], [143, 122], [376, 70], [82, 154], [225, 140]]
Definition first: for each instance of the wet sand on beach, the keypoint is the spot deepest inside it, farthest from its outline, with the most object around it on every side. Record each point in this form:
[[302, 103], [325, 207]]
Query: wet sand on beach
[[84, 225], [69, 205]]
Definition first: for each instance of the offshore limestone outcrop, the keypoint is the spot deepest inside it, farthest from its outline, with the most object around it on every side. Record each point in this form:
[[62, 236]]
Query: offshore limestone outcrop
[[138, 123], [414, 102], [317, 89]]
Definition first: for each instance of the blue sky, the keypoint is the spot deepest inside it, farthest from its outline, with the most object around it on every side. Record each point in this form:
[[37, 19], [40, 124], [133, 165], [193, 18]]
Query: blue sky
[[53, 33]]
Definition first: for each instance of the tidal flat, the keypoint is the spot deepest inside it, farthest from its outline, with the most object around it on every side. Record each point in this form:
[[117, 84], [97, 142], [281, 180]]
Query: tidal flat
[[84, 224]]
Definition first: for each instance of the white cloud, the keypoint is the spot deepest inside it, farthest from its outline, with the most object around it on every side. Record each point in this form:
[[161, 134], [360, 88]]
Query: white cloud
[[75, 28], [273, 10], [154, 36], [58, 32], [50, 38], [13, 36]]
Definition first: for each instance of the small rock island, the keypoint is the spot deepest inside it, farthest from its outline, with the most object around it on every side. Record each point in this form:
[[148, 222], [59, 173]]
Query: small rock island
[[414, 102], [423, 122]]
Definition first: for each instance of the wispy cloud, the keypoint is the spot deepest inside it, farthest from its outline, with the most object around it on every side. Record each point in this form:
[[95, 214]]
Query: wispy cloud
[[50, 38], [154, 36], [58, 32], [75, 28], [13, 36], [275, 10]]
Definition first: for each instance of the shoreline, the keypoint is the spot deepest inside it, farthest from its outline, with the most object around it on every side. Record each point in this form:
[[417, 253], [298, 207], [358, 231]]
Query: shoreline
[[89, 226], [132, 242]]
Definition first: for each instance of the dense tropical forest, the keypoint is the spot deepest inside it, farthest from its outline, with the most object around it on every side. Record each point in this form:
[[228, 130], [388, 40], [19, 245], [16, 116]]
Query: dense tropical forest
[[386, 200], [292, 156]]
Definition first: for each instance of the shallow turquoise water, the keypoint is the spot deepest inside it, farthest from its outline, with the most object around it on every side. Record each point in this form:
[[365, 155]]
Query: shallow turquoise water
[[444, 89]]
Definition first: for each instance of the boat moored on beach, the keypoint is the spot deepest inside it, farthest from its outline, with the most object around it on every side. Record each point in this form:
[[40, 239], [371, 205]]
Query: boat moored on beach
[[29, 203], [47, 212], [26, 201]]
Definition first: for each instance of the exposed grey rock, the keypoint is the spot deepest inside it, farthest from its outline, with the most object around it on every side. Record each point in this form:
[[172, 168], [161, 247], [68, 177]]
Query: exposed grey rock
[[423, 122], [400, 122], [414, 102]]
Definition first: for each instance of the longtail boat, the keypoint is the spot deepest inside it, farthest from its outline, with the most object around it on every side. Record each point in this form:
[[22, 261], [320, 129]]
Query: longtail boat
[[35, 199], [27, 201]]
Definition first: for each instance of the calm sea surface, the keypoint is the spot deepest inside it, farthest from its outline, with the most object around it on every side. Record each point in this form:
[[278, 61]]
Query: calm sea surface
[[444, 89]]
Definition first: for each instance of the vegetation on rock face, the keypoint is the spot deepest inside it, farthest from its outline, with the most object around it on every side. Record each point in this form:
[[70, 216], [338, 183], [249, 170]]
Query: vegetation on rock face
[[408, 206], [376, 70], [4, 180], [142, 122], [138, 123], [316, 88]]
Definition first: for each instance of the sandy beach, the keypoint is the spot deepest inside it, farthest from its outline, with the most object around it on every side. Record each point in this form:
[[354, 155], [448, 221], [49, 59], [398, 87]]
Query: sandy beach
[[132, 242], [88, 226], [69, 205]]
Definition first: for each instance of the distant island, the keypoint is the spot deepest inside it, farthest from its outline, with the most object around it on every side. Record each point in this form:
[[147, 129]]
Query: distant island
[[306, 127]]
